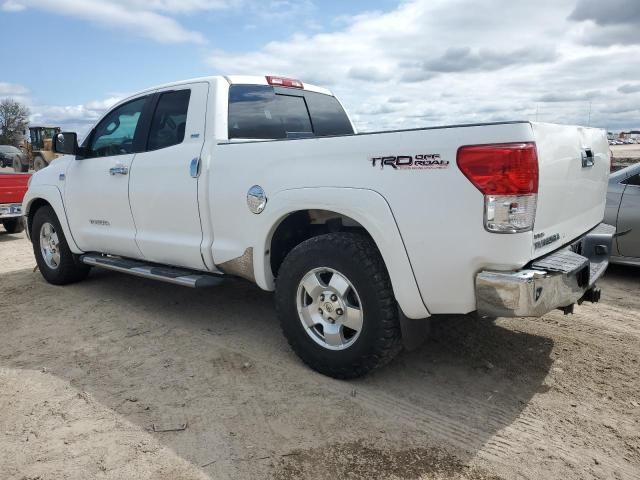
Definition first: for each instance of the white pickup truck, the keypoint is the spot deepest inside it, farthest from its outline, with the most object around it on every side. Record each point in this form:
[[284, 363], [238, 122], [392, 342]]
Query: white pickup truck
[[362, 236]]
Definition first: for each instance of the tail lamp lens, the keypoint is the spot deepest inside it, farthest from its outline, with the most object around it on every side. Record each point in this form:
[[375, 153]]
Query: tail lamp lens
[[507, 175], [509, 213]]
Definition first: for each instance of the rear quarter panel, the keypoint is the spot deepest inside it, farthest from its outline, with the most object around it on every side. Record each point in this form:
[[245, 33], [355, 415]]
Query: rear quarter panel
[[438, 212]]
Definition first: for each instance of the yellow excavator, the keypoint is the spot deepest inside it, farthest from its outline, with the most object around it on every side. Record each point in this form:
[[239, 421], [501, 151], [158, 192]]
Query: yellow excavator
[[39, 150]]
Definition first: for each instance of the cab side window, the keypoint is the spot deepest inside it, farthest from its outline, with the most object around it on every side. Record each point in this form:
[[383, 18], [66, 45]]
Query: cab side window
[[169, 120], [115, 133]]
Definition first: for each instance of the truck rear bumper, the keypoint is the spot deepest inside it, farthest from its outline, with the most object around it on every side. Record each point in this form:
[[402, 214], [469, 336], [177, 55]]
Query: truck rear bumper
[[557, 280], [10, 210]]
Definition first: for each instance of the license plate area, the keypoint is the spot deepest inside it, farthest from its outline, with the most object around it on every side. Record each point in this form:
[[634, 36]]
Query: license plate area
[[586, 258]]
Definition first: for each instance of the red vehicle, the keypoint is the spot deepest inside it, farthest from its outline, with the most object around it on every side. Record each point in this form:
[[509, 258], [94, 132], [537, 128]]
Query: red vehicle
[[13, 186]]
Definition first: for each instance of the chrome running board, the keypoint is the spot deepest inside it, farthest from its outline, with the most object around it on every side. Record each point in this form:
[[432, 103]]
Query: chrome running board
[[174, 275]]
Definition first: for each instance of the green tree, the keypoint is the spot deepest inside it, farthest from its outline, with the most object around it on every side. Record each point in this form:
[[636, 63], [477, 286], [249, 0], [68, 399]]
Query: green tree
[[14, 119]]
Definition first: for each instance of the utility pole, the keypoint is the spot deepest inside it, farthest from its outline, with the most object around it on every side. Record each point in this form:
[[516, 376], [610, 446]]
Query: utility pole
[[589, 122]]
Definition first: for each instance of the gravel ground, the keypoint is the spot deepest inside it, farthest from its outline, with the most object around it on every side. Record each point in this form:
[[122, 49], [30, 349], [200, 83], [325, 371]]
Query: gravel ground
[[94, 374], [624, 155]]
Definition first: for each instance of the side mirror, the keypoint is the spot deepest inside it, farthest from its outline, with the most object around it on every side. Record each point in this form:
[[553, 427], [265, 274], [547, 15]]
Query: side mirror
[[65, 143]]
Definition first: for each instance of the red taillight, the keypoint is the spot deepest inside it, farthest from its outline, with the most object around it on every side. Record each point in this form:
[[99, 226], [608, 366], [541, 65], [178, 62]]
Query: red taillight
[[501, 169], [284, 82]]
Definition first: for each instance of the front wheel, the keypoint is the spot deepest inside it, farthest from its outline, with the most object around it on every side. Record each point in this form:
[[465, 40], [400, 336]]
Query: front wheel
[[55, 260], [336, 305]]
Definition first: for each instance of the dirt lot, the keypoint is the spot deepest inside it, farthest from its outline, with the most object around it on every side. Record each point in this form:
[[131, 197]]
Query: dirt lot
[[626, 151], [87, 371], [624, 155]]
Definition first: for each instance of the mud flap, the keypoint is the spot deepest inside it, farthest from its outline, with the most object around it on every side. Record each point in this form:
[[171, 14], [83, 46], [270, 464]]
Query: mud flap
[[414, 332]]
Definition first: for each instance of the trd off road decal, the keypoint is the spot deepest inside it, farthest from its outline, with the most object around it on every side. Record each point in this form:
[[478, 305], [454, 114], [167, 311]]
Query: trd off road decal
[[411, 162]]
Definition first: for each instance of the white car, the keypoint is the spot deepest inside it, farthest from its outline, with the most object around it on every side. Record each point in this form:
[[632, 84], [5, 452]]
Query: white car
[[362, 236]]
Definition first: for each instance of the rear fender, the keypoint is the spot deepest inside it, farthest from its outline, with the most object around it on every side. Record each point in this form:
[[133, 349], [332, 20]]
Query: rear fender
[[366, 207]]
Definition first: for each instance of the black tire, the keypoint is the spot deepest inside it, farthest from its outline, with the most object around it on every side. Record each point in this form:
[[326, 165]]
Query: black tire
[[70, 269], [13, 225], [39, 163], [356, 258], [18, 166]]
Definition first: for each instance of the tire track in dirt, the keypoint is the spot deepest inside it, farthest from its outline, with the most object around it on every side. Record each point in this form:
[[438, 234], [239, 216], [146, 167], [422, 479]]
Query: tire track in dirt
[[499, 434]]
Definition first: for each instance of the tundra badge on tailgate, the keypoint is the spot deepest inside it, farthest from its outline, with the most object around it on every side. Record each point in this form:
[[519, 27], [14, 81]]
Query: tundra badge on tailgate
[[411, 162]]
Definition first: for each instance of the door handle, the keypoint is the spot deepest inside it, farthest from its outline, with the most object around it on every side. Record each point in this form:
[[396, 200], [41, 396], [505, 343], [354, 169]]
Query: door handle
[[119, 170], [194, 167], [588, 159]]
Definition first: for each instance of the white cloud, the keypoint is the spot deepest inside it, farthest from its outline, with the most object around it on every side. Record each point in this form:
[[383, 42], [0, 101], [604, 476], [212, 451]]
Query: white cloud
[[179, 6], [133, 16], [12, 90], [494, 61], [423, 63], [12, 6], [77, 118]]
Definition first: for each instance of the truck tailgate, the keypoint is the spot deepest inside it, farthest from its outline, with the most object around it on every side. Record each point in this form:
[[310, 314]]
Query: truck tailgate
[[13, 186], [574, 169]]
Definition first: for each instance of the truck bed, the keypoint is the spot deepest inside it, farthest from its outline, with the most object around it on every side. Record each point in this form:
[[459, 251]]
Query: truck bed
[[13, 186], [438, 211]]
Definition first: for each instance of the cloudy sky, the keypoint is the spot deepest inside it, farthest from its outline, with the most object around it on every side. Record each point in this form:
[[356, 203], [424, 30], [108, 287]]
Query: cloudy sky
[[394, 64]]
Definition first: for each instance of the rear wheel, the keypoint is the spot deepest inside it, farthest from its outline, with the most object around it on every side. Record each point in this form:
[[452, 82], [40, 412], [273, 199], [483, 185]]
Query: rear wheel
[[18, 166], [39, 163], [336, 306], [13, 225], [55, 260]]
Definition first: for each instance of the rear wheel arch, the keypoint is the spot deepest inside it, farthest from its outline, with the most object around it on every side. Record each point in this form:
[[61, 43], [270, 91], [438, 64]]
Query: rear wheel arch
[[300, 225], [363, 210]]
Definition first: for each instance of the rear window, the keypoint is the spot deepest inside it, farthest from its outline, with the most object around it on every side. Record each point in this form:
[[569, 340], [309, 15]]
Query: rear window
[[265, 112], [328, 115], [293, 114]]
